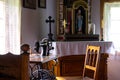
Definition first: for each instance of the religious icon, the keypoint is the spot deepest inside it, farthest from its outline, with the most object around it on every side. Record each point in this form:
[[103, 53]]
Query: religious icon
[[50, 20], [79, 21]]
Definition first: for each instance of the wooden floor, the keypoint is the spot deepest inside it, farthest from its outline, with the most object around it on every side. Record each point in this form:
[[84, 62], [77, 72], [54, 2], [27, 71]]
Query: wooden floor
[[114, 67]]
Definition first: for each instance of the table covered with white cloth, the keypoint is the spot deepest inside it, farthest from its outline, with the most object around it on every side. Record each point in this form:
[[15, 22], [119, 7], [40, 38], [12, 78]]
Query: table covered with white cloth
[[79, 47]]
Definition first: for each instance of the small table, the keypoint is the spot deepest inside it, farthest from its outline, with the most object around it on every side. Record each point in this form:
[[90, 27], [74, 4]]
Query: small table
[[35, 58], [38, 61]]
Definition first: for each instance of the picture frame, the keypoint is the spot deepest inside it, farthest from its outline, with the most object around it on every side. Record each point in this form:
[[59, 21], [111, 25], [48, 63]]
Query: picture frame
[[31, 4], [42, 3]]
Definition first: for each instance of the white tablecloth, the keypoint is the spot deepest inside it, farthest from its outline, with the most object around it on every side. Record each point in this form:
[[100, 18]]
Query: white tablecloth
[[79, 47]]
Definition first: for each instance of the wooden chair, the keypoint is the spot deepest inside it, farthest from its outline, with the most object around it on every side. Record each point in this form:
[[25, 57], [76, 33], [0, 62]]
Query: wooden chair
[[15, 67], [90, 65]]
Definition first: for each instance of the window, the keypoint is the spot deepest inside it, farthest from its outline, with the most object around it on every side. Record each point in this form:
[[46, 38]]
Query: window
[[112, 23], [10, 26]]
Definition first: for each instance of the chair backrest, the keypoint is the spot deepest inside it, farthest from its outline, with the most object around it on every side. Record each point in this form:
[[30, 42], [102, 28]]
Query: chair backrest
[[91, 61], [14, 67]]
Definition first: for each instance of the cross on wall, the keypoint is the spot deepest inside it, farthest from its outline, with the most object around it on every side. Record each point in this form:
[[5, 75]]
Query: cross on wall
[[50, 20]]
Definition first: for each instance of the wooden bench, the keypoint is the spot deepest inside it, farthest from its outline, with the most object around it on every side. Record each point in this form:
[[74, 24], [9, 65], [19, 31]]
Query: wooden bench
[[15, 67]]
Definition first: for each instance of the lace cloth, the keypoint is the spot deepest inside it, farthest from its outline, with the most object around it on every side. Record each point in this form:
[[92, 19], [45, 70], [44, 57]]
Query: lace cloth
[[79, 47]]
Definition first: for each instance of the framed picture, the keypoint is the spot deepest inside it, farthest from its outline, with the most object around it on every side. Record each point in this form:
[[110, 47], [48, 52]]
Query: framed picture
[[29, 4], [42, 3]]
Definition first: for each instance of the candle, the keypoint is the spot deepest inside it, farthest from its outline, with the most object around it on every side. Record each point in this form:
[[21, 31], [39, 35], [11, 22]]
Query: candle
[[64, 23]]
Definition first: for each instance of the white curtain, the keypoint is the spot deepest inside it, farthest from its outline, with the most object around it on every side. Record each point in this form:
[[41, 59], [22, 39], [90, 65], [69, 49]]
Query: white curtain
[[106, 22], [10, 19]]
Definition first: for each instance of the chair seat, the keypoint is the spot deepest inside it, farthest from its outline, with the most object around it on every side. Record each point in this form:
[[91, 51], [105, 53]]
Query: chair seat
[[73, 78], [69, 78]]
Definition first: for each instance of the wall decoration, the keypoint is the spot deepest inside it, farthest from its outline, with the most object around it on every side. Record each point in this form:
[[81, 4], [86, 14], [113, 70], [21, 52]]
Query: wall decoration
[[31, 4], [42, 3]]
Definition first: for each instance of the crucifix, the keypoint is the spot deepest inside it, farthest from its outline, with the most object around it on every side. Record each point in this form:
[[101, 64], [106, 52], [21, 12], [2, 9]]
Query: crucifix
[[49, 20]]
